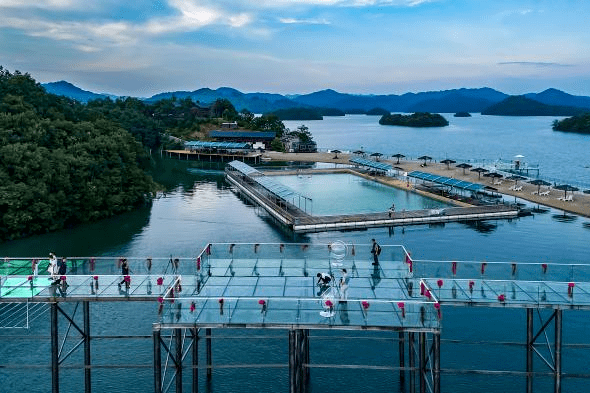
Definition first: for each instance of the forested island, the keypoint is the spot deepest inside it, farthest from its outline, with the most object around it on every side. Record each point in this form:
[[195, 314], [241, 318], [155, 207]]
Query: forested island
[[462, 114], [418, 119], [523, 106], [579, 123]]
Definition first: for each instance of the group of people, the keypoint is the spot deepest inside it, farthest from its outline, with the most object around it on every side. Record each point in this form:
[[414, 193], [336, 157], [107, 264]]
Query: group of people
[[57, 269], [325, 280]]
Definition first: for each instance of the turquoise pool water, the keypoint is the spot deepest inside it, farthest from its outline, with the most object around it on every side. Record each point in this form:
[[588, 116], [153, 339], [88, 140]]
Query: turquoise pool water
[[344, 193]]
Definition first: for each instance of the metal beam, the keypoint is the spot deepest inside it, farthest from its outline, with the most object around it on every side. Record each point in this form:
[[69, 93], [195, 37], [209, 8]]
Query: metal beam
[[558, 337], [195, 357], [401, 349], [54, 350], [87, 368], [412, 360], [178, 356], [529, 350], [157, 360], [422, 360], [436, 361], [209, 353]]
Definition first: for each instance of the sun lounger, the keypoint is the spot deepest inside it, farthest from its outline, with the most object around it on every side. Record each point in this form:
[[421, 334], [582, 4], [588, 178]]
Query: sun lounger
[[544, 193], [519, 188], [569, 198], [534, 192]]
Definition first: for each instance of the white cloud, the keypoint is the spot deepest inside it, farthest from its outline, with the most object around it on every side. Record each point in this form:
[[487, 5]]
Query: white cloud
[[304, 21], [37, 3]]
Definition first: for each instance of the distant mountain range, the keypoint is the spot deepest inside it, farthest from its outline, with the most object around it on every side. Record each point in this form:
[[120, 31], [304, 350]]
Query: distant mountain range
[[445, 101]]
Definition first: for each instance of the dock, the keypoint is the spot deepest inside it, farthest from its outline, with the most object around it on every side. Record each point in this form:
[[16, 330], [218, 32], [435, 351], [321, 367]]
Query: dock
[[289, 208]]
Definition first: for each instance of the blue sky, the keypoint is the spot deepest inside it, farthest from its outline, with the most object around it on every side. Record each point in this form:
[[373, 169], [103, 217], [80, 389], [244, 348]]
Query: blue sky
[[299, 46]]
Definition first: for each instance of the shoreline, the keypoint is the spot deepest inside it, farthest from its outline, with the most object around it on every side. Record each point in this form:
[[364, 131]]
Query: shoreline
[[580, 205]]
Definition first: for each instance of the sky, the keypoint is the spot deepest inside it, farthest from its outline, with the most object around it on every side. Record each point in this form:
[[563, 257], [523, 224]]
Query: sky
[[143, 47]]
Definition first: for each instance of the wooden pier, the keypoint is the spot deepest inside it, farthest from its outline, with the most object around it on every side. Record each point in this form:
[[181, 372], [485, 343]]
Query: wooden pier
[[213, 156]]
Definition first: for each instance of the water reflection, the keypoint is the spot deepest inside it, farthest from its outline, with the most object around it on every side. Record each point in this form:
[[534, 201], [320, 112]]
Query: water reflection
[[481, 226], [565, 217]]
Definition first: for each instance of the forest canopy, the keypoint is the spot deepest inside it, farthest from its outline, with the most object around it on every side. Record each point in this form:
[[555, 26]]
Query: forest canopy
[[62, 163], [418, 119]]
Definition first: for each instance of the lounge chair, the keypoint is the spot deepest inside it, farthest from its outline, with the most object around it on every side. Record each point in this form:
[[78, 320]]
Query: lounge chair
[[519, 188], [544, 193]]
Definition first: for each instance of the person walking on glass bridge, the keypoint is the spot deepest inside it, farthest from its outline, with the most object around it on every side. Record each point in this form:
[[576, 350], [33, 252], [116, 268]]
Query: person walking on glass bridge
[[376, 251]]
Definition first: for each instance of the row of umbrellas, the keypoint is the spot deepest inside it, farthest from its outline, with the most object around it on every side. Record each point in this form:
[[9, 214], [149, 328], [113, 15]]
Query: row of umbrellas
[[480, 171]]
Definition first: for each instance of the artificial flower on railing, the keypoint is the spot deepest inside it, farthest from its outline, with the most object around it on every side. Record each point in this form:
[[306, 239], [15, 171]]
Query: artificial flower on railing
[[544, 268], [438, 311], [262, 303], [402, 307], [221, 301], [570, 289]]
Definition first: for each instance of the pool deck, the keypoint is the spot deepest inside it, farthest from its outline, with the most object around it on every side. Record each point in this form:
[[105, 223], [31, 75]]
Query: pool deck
[[580, 205]]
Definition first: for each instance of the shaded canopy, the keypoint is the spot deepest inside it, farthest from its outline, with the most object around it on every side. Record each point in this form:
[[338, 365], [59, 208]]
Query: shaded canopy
[[398, 156], [464, 166], [425, 158], [566, 188], [479, 171], [448, 162], [358, 152], [539, 183], [336, 151]]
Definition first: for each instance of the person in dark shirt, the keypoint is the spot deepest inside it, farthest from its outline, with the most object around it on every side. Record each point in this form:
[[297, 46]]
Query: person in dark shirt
[[124, 272]]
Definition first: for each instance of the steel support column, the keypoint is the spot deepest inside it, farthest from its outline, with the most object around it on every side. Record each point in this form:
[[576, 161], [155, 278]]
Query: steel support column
[[422, 360], [401, 349], [195, 356], [305, 359], [54, 349], [209, 353], [558, 337], [297, 358], [157, 360], [178, 356], [412, 360], [436, 361], [529, 350], [87, 369]]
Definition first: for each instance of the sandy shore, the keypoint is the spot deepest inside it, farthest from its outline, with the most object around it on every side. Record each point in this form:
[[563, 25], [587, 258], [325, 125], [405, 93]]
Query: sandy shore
[[580, 205]]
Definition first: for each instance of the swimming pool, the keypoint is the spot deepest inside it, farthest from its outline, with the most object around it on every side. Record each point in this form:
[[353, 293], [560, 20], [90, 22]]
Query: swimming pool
[[345, 193]]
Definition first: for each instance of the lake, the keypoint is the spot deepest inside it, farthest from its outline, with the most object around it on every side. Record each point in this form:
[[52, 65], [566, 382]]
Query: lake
[[199, 207]]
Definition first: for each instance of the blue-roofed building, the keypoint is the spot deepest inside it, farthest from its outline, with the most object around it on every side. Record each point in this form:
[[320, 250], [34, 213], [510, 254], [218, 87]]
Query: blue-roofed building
[[256, 138]]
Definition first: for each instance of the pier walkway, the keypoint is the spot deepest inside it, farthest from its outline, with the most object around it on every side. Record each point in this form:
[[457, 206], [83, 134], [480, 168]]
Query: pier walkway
[[233, 285]]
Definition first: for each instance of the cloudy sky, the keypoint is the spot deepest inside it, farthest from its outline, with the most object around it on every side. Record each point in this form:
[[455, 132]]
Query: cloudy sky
[[142, 47]]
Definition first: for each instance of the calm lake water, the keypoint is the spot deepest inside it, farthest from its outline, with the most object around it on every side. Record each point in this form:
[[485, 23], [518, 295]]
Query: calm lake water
[[560, 155], [199, 208]]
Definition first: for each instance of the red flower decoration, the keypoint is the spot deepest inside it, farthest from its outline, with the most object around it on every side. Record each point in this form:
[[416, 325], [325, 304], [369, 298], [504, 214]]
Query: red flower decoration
[[160, 300], [428, 294], [501, 298], [192, 308], [30, 278], [439, 283], [401, 305], [329, 303], [221, 301], [160, 281], [262, 302], [365, 304], [571, 285], [454, 267], [96, 278], [544, 267], [471, 284]]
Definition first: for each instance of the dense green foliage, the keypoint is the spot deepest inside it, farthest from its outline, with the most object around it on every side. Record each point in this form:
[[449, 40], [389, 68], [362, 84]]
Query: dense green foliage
[[522, 106], [298, 114], [418, 119], [62, 163], [462, 114], [378, 112], [579, 123]]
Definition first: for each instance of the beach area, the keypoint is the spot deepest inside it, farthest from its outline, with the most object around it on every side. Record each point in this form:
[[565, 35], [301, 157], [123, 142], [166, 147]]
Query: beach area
[[579, 205]]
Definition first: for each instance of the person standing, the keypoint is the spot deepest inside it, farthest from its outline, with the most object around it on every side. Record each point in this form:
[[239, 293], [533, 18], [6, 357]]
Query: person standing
[[376, 251], [124, 272], [344, 286], [52, 268]]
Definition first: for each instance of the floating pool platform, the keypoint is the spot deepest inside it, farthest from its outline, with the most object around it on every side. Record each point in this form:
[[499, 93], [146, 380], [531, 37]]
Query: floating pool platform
[[292, 210]]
